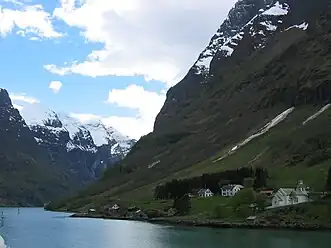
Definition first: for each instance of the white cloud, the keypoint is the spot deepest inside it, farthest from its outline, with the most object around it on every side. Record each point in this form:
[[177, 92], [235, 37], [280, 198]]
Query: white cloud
[[18, 107], [156, 39], [129, 126], [23, 98], [55, 86], [146, 103], [55, 70], [29, 19], [21, 101], [85, 118]]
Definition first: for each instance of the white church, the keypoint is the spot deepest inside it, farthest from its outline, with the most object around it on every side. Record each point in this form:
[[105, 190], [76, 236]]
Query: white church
[[290, 196]]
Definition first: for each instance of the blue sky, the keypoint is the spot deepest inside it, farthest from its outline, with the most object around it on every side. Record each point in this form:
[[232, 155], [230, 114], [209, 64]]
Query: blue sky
[[114, 60]]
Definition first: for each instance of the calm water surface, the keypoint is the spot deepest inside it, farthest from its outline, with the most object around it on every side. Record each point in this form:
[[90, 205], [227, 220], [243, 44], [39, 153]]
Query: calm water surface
[[34, 228]]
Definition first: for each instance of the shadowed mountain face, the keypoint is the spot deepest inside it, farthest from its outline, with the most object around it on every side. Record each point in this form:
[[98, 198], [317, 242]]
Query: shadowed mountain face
[[267, 57], [25, 177], [45, 156]]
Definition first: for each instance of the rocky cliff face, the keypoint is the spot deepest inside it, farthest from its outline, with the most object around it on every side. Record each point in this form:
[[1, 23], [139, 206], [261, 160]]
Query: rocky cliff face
[[247, 30], [11, 121], [26, 178], [267, 57]]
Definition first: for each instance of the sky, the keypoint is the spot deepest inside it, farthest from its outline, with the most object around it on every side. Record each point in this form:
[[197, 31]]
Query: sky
[[103, 59]]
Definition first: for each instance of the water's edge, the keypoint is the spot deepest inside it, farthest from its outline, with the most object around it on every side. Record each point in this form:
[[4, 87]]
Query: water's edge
[[214, 223]]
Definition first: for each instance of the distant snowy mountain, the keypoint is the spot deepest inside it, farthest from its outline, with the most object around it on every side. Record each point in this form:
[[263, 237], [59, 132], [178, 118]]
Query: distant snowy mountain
[[87, 137], [86, 150]]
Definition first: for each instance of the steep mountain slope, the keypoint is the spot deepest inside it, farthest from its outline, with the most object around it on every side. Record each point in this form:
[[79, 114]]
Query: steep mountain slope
[[84, 150], [45, 156], [268, 61], [25, 176]]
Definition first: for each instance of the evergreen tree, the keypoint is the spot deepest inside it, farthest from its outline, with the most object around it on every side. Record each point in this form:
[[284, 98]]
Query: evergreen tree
[[261, 202], [248, 182], [182, 205], [261, 176]]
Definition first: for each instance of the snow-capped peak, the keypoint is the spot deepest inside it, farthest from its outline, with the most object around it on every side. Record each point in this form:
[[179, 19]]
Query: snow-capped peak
[[36, 114], [245, 21], [87, 136], [103, 135]]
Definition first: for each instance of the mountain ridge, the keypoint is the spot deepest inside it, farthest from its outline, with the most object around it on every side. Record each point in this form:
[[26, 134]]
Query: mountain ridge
[[26, 178], [78, 154], [279, 61]]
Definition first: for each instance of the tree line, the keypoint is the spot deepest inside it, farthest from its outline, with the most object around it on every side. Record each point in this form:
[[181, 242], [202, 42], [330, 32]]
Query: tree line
[[246, 176]]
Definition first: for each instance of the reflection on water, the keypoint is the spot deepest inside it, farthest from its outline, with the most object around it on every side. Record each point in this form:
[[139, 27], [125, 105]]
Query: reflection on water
[[34, 228]]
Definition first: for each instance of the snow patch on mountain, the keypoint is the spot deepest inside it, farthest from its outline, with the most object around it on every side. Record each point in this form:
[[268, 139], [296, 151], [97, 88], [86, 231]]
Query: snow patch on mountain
[[225, 45], [266, 128], [278, 119], [303, 26], [71, 146], [101, 134], [314, 116], [277, 10], [150, 166], [38, 140], [269, 26], [70, 124]]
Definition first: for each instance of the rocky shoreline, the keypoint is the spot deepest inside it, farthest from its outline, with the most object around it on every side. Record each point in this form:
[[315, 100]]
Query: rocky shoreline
[[216, 223]]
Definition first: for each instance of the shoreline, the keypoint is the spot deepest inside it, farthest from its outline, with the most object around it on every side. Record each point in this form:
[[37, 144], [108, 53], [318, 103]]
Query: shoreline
[[215, 223]]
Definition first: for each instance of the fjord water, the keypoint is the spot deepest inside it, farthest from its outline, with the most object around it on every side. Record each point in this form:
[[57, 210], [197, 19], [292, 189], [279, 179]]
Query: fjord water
[[35, 228]]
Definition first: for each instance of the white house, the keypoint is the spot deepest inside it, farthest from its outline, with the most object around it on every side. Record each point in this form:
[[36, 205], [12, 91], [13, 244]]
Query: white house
[[92, 210], [231, 189], [290, 196], [115, 207], [205, 193]]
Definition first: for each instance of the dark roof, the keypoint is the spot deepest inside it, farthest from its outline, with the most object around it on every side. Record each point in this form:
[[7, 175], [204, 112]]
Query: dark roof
[[266, 191], [201, 191], [227, 187], [195, 191]]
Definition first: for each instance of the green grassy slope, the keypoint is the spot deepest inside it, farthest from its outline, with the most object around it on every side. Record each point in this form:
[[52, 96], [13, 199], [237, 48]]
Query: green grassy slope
[[288, 151], [291, 151]]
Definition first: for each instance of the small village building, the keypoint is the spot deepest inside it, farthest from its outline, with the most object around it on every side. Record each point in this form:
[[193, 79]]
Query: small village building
[[115, 207], [252, 220], [290, 196], [205, 193], [268, 192], [91, 210], [139, 214], [191, 195], [231, 189]]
